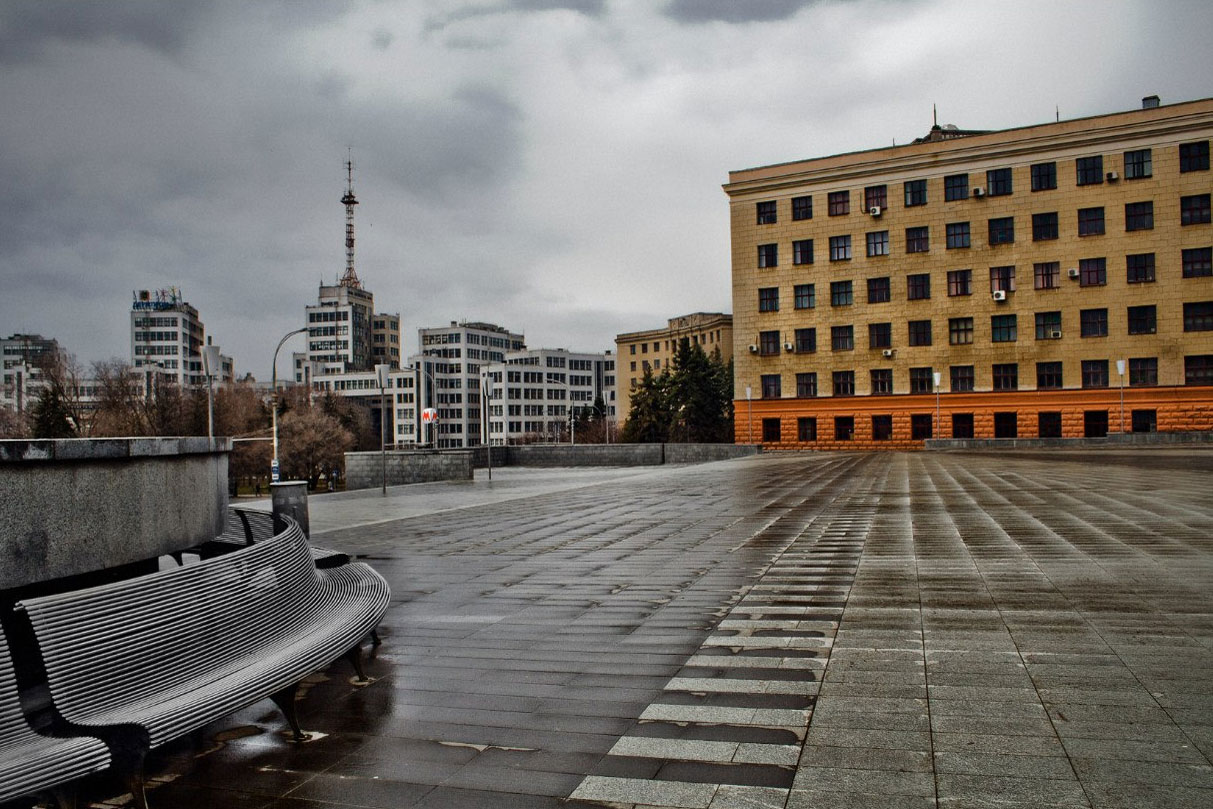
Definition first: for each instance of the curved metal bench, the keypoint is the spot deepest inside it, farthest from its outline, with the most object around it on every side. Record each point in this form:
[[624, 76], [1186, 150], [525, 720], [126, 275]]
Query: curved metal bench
[[246, 526], [144, 661], [29, 761]]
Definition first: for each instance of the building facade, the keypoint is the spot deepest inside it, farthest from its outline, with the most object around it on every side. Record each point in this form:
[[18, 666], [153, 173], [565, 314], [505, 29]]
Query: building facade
[[654, 349], [22, 357], [534, 393], [1048, 281], [167, 338]]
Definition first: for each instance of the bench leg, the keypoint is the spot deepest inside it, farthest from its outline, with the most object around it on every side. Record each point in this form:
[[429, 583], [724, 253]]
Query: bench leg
[[285, 700], [355, 657], [134, 784], [375, 641]]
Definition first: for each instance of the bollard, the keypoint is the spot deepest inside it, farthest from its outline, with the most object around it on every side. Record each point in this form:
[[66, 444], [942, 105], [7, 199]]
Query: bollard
[[289, 498]]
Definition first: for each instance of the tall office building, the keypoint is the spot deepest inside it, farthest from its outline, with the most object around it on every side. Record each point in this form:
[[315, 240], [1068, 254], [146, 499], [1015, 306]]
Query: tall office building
[[22, 357], [654, 349], [1048, 281], [533, 392], [167, 337]]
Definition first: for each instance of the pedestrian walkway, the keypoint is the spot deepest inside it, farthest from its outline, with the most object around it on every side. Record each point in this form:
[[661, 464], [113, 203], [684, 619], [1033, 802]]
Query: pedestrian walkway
[[885, 630]]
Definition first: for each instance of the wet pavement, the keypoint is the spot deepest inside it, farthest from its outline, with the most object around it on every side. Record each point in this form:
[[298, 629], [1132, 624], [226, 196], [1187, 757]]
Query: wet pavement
[[791, 630]]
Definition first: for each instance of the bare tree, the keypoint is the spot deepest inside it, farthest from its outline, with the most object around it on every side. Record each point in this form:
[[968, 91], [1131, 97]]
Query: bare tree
[[13, 424], [311, 443]]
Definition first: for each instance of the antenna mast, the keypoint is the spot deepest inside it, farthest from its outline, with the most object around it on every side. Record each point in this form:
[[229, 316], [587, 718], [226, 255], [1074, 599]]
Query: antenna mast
[[350, 278]]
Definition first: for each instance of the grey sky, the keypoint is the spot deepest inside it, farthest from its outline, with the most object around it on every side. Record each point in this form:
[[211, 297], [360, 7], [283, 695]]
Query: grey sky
[[553, 166]]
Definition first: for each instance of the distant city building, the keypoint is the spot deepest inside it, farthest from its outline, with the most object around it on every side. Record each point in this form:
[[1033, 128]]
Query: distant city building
[[167, 337], [385, 340], [535, 391], [1050, 281], [654, 349], [22, 356]]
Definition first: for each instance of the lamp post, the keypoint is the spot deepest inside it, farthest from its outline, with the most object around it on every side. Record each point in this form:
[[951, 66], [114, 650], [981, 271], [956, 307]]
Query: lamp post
[[210, 361], [938, 427], [420, 369], [1120, 369], [381, 374], [274, 401], [749, 418], [486, 395]]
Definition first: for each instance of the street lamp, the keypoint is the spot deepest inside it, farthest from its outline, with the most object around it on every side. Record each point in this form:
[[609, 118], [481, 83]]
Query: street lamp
[[937, 432], [274, 401], [210, 363], [1120, 369], [381, 373], [421, 369], [749, 418]]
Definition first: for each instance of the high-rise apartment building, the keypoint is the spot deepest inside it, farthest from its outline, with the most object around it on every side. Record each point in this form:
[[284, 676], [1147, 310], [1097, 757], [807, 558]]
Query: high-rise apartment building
[[167, 337], [1048, 281], [654, 349], [534, 392], [22, 357]]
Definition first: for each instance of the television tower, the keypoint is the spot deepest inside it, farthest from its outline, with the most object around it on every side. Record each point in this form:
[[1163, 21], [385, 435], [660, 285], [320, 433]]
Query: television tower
[[350, 278]]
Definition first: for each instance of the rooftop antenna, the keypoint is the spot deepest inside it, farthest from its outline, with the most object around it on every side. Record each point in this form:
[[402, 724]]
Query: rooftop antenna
[[350, 278], [934, 116]]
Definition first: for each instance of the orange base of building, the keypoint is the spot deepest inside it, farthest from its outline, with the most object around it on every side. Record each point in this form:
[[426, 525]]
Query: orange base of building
[[1175, 409]]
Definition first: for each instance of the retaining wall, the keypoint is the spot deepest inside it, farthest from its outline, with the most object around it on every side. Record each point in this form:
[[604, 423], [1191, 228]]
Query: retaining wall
[[363, 470], [75, 506]]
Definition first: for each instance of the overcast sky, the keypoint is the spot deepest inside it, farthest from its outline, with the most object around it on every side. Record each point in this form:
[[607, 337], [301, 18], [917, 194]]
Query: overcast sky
[[553, 166]]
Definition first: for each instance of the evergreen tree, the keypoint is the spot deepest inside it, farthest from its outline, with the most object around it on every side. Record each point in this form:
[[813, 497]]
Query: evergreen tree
[[652, 411], [51, 415]]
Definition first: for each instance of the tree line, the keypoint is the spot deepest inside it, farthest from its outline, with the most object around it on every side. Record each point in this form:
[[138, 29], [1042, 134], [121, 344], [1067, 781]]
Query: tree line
[[691, 402]]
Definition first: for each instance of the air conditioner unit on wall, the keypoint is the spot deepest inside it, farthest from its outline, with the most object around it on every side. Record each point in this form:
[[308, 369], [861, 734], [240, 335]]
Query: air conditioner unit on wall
[[1055, 334], [1112, 176], [874, 210], [888, 352], [753, 349], [978, 191], [999, 295], [1072, 272], [789, 347]]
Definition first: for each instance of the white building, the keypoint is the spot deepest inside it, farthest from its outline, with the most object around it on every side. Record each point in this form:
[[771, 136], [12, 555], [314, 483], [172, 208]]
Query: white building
[[533, 393], [167, 337], [21, 356]]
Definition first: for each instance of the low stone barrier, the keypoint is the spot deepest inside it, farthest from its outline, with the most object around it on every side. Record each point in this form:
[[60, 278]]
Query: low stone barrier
[[365, 470], [74, 506], [1111, 440]]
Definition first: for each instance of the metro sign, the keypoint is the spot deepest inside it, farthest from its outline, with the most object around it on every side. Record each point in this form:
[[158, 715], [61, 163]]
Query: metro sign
[[429, 416]]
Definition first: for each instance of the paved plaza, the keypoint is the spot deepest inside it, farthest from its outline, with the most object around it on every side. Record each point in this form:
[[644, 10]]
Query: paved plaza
[[908, 630]]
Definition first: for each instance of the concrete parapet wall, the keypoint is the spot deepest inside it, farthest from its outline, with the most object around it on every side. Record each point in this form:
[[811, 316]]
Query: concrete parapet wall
[[586, 455], [364, 470], [75, 506], [703, 453], [1112, 440]]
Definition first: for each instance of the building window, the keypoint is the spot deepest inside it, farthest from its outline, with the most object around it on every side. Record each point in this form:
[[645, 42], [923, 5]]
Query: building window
[[1048, 424], [768, 299], [876, 196], [1198, 316], [922, 380], [1094, 373], [880, 335], [1145, 421], [960, 282], [955, 186], [1002, 279], [1143, 371], [957, 235], [806, 341], [961, 378], [1090, 222], [838, 203], [1003, 328], [1194, 156], [920, 332], [882, 381], [768, 343], [842, 338], [1139, 268], [882, 428], [962, 425], [802, 251], [920, 426], [771, 386], [1093, 322], [1006, 376], [960, 331], [840, 293], [804, 296], [918, 240], [766, 213], [1048, 325], [1194, 210], [1044, 176], [802, 208], [998, 182], [768, 255], [1046, 274], [1139, 216], [1198, 262], [806, 385], [1048, 375], [1198, 369], [840, 248], [844, 383], [1089, 170], [1044, 226], [879, 290], [916, 193], [1006, 425], [918, 286], [806, 428], [1138, 164], [844, 428], [878, 243], [770, 431], [1002, 230], [1092, 272]]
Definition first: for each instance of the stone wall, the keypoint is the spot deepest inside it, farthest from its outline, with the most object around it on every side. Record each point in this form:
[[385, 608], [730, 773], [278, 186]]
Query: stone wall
[[548, 455], [364, 470], [70, 507], [703, 453], [1111, 440]]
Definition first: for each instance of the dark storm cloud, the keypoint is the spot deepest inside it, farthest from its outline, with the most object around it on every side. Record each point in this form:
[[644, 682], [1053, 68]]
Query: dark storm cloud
[[27, 26], [734, 11]]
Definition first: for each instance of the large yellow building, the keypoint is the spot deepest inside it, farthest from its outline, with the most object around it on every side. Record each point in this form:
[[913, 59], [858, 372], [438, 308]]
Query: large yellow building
[[654, 349], [1019, 283]]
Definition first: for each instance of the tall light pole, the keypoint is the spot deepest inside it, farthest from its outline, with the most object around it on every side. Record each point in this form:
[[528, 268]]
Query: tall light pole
[[749, 418], [381, 374], [418, 370], [1120, 369], [486, 400], [210, 362], [938, 427], [274, 401]]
